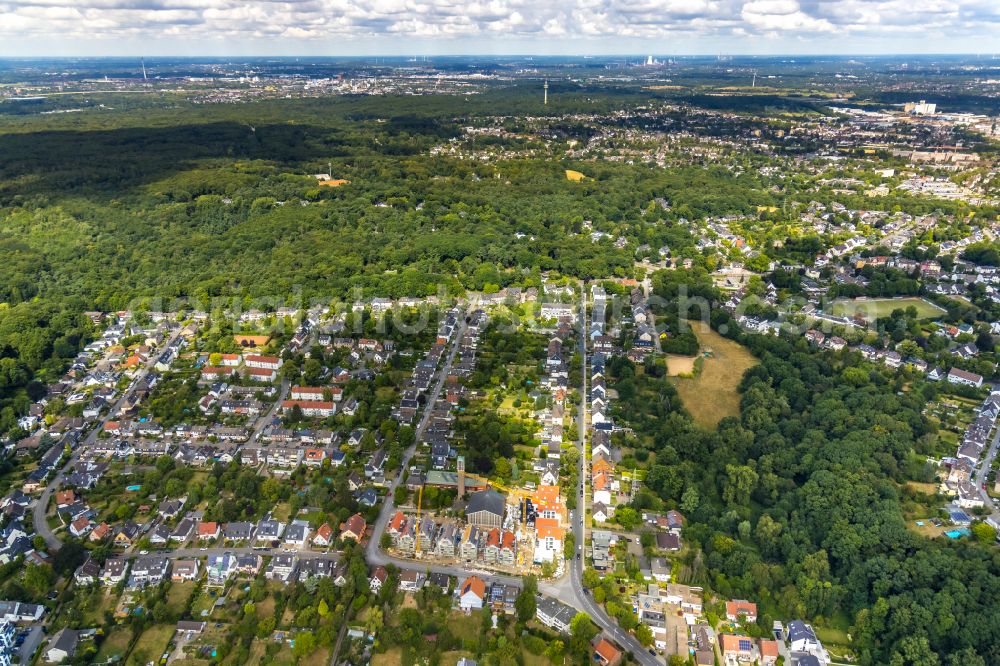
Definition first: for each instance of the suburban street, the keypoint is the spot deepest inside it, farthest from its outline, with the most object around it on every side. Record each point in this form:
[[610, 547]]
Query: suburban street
[[568, 589], [982, 471], [38, 511], [373, 554], [264, 419], [580, 598]]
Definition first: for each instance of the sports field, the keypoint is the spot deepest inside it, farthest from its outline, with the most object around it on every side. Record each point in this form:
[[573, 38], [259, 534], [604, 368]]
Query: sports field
[[874, 308]]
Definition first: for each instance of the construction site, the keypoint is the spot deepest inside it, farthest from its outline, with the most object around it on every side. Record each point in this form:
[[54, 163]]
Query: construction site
[[507, 529]]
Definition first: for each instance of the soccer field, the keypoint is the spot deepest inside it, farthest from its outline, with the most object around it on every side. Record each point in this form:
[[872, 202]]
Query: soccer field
[[874, 308]]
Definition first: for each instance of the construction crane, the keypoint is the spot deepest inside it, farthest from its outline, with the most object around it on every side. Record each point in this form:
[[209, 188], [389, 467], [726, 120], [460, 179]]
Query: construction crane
[[420, 499]]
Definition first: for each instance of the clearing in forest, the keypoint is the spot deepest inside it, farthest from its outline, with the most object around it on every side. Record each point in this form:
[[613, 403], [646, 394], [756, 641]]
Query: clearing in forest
[[712, 395], [873, 308]]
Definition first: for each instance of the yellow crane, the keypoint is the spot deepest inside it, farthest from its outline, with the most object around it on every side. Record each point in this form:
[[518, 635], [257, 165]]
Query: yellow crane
[[420, 499]]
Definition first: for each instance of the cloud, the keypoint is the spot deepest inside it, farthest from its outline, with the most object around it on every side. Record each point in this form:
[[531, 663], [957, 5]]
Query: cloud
[[346, 21], [782, 16]]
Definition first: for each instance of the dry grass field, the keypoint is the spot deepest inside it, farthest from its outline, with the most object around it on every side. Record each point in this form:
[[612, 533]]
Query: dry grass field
[[712, 395]]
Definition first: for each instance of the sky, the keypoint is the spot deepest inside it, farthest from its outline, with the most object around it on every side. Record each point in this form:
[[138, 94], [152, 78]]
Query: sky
[[429, 27]]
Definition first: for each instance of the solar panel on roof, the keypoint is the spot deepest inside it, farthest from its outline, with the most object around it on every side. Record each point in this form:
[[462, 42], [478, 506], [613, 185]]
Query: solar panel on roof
[[745, 645]]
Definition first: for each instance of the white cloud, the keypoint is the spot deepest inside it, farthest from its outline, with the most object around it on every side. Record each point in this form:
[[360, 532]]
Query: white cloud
[[615, 21]]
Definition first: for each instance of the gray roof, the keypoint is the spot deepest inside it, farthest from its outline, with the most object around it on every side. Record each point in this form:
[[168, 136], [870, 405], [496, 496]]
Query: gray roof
[[486, 500], [555, 609], [798, 630]]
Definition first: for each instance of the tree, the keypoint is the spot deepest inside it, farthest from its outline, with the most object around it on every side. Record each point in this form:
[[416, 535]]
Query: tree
[[644, 634], [689, 500], [740, 483], [555, 651], [984, 533], [627, 517], [305, 643], [526, 604], [581, 629], [38, 579], [400, 495], [69, 557]]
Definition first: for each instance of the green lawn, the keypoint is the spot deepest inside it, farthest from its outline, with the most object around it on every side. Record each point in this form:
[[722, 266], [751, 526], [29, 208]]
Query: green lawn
[[114, 644], [178, 595], [151, 645], [873, 308]]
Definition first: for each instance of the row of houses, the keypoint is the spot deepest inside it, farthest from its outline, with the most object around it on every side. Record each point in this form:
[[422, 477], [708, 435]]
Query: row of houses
[[450, 540]]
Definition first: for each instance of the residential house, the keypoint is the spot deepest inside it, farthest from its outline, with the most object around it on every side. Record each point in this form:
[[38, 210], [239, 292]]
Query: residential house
[[185, 570], [737, 650], [62, 646], [114, 571], [323, 536], [149, 570], [739, 610], [606, 653], [378, 578], [555, 614], [282, 568], [471, 593], [354, 528]]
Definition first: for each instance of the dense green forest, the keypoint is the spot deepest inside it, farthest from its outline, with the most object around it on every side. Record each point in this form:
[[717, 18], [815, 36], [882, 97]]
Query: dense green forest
[[192, 207], [797, 503]]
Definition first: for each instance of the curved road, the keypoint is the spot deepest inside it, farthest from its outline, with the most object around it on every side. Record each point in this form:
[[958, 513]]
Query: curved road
[[41, 525], [373, 554]]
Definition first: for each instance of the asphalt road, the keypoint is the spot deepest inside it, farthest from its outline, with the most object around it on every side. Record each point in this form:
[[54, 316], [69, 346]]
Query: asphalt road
[[982, 470], [264, 419], [580, 598], [373, 554], [38, 512]]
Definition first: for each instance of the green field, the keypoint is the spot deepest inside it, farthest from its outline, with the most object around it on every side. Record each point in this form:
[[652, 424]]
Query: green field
[[151, 644], [874, 308]]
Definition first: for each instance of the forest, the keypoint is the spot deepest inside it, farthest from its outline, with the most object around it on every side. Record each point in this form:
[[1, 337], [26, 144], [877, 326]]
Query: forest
[[200, 208], [797, 503]]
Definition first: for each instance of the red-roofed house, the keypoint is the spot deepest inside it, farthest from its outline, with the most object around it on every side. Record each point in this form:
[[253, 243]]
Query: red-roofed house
[[323, 536], [768, 652], [606, 653], [737, 650], [208, 530], [471, 593], [213, 372], [354, 528], [739, 610], [100, 532], [80, 526], [314, 457], [309, 407], [262, 374], [265, 362]]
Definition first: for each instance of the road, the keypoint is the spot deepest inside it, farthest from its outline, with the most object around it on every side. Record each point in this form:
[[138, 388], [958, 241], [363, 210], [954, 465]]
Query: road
[[982, 471], [265, 418], [647, 289], [581, 599], [38, 512], [373, 554]]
